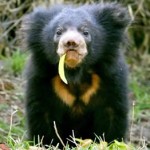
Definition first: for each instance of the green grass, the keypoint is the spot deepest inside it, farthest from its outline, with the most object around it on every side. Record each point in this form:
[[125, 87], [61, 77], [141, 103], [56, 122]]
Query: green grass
[[14, 64], [20, 144], [13, 128], [140, 95]]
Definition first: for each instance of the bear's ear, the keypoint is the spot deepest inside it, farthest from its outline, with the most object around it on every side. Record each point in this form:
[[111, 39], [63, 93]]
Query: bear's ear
[[32, 24], [112, 15], [39, 17], [34, 21]]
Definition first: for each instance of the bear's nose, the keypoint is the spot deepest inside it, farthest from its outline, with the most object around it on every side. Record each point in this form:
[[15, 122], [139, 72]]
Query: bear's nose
[[71, 44]]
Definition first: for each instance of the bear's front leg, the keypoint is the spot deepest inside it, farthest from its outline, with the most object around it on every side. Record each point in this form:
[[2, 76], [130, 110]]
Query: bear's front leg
[[39, 112]]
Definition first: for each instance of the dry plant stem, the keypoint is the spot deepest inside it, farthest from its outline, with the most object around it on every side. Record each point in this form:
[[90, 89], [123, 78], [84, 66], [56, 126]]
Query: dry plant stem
[[40, 141], [11, 118], [11, 27], [73, 139], [132, 120], [139, 7], [56, 148], [2, 84], [56, 131]]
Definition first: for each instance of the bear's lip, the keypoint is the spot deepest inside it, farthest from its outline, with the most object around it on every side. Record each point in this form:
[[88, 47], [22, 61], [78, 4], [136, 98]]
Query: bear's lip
[[73, 50], [72, 58]]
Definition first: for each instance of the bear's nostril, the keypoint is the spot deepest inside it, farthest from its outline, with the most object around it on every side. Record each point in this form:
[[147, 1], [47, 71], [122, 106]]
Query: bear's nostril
[[71, 44]]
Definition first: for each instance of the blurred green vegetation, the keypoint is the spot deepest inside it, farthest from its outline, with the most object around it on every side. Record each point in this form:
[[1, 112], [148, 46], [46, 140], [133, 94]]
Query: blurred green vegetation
[[137, 52], [15, 63]]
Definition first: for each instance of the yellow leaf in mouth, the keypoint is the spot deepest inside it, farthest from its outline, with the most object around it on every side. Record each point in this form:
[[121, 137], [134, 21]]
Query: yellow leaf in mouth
[[61, 68]]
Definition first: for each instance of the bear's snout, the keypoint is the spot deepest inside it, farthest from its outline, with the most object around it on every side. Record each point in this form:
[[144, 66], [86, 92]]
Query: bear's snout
[[72, 43], [71, 40]]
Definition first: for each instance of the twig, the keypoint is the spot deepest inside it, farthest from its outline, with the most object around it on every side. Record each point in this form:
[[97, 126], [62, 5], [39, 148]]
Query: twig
[[11, 122], [132, 120], [56, 131], [73, 139]]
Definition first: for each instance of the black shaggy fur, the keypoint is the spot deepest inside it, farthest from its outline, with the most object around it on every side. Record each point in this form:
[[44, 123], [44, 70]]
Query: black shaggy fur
[[107, 110]]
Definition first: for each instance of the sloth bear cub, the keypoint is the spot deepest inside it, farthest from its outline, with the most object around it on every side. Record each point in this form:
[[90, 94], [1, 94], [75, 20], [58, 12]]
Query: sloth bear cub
[[94, 102]]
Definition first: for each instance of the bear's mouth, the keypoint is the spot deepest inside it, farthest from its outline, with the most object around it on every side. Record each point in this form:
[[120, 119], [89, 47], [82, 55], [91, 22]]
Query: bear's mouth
[[72, 58]]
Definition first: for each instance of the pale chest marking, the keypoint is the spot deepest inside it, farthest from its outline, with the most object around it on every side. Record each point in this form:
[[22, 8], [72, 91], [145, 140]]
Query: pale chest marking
[[63, 92]]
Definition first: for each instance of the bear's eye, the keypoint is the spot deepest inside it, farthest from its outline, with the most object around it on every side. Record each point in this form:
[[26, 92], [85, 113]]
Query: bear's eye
[[59, 31], [86, 33]]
